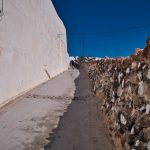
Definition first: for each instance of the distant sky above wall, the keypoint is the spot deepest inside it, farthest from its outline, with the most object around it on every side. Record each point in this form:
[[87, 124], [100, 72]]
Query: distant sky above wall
[[104, 27]]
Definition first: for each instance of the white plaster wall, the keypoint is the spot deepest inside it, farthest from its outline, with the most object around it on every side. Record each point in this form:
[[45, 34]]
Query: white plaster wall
[[32, 40]]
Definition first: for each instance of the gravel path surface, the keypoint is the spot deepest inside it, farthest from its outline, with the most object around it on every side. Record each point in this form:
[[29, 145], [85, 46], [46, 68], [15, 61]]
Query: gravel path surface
[[61, 114], [81, 127], [25, 123]]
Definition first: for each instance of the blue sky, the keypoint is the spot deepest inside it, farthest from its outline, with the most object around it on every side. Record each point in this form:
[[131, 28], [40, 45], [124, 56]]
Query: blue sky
[[104, 27]]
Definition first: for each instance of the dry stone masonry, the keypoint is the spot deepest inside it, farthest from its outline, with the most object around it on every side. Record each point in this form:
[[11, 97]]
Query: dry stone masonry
[[123, 87]]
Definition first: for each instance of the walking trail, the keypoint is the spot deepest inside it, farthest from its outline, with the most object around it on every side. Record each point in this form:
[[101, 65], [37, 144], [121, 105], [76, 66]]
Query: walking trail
[[81, 127], [65, 104]]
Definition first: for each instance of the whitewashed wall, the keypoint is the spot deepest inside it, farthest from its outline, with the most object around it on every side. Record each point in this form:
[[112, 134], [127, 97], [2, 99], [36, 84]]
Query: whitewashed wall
[[32, 40]]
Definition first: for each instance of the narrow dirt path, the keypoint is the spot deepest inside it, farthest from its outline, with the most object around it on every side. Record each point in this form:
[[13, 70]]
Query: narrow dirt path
[[81, 127]]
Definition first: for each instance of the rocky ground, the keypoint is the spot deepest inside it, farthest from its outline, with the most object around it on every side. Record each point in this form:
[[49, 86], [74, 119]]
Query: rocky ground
[[123, 88]]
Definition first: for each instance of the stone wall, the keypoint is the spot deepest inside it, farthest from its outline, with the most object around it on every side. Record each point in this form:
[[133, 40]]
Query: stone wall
[[123, 88], [33, 46]]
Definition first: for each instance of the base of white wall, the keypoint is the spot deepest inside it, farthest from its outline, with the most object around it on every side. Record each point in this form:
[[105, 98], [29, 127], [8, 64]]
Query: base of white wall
[[29, 45]]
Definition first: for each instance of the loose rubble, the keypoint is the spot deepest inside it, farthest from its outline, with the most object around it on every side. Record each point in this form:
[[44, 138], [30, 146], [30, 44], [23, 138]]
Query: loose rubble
[[123, 87]]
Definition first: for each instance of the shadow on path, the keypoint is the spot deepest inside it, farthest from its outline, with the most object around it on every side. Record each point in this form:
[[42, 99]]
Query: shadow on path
[[80, 128]]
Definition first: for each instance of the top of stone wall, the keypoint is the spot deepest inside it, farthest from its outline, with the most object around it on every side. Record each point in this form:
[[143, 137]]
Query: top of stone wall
[[146, 52]]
